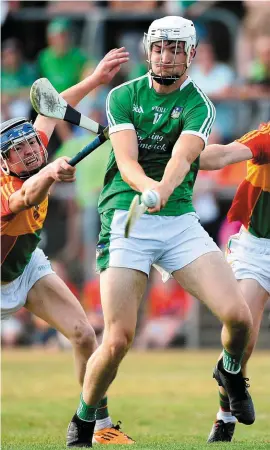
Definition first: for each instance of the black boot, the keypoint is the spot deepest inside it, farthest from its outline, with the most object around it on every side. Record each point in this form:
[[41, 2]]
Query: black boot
[[80, 433], [236, 386], [221, 432]]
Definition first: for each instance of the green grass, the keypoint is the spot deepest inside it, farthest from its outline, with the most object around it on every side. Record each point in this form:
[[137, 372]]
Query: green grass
[[165, 400]]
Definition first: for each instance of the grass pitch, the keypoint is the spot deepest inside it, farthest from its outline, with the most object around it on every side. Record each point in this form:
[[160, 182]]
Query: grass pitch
[[165, 400]]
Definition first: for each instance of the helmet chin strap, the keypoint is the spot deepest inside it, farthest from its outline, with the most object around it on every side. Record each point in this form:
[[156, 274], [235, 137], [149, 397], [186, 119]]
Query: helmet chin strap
[[167, 81], [164, 81]]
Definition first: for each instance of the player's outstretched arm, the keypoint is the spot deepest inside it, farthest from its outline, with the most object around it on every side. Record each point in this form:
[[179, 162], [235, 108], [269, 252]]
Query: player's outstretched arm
[[216, 156], [103, 74], [36, 188]]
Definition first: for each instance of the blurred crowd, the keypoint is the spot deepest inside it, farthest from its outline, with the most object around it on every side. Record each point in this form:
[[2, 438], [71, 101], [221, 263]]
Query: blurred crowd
[[233, 70]]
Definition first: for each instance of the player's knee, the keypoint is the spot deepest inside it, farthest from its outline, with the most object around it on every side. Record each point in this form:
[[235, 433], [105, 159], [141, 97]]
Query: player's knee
[[119, 343], [239, 318], [83, 336]]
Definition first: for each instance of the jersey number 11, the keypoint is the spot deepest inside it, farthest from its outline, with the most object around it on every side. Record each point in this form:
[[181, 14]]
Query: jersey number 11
[[157, 117]]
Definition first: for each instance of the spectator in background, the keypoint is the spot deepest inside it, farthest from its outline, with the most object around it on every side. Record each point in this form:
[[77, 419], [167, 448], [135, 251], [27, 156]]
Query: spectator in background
[[190, 8], [17, 76], [259, 72], [63, 64], [255, 23], [215, 79], [145, 5], [212, 77], [64, 7]]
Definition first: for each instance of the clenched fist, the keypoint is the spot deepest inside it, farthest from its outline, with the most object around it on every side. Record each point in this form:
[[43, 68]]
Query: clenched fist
[[60, 170]]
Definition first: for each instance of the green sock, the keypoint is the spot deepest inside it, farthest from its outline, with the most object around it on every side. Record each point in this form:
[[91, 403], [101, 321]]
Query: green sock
[[102, 409], [224, 402], [86, 412], [231, 363]]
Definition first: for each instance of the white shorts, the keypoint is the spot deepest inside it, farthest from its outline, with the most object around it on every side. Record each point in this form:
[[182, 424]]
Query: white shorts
[[167, 242], [14, 294], [249, 257]]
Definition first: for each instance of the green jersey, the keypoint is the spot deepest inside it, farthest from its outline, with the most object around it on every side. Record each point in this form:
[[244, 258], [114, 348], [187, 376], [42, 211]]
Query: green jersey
[[63, 71], [159, 120], [23, 77]]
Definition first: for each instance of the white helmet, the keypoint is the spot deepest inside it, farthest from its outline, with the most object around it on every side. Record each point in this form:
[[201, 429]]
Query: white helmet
[[171, 28]]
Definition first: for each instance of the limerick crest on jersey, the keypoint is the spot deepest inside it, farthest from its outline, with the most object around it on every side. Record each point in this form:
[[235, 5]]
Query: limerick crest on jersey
[[175, 114]]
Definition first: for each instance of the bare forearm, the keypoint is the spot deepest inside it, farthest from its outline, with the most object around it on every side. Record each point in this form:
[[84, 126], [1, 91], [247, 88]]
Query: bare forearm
[[133, 174], [216, 156], [36, 188], [76, 93], [186, 149], [175, 171], [213, 157], [125, 147]]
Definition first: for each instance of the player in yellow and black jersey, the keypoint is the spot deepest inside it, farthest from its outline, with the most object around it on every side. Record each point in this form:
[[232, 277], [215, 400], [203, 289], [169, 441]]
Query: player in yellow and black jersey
[[27, 277]]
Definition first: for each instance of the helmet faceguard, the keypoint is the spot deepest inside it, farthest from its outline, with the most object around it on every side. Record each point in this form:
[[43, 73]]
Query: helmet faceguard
[[14, 133], [175, 29]]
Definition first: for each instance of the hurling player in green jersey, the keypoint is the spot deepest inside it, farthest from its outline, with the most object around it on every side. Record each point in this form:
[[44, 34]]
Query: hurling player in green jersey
[[159, 125]]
